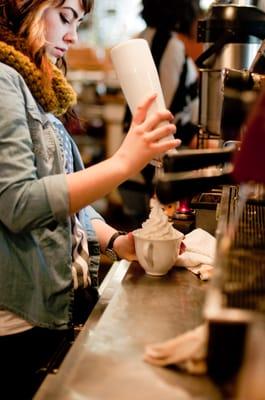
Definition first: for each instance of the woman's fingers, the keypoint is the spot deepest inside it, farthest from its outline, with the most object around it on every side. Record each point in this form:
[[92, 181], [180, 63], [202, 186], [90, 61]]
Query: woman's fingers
[[165, 145], [140, 115], [161, 140], [161, 118], [143, 141], [154, 127], [141, 111], [159, 133]]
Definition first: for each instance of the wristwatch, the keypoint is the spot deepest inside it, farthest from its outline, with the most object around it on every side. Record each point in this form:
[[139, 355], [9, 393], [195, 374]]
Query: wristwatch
[[109, 251]]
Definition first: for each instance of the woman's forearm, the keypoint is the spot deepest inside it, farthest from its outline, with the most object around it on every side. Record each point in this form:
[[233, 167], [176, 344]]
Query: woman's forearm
[[92, 183], [141, 144]]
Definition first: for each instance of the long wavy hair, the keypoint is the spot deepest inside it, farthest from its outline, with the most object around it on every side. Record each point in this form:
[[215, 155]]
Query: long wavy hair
[[25, 19]]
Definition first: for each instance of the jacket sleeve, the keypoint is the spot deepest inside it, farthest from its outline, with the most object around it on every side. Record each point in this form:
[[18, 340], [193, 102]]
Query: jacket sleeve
[[26, 200]]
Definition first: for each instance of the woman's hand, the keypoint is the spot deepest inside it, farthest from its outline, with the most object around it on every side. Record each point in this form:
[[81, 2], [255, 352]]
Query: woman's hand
[[140, 146], [124, 247], [142, 143]]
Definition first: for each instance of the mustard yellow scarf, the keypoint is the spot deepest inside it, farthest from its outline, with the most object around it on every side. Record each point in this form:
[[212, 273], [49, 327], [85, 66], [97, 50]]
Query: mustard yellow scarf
[[55, 98]]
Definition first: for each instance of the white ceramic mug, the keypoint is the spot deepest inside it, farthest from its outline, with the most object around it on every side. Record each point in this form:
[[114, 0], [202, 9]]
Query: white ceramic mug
[[156, 256], [137, 74]]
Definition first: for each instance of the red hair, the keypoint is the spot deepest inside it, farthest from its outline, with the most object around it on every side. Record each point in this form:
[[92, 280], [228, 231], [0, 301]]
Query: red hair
[[25, 19]]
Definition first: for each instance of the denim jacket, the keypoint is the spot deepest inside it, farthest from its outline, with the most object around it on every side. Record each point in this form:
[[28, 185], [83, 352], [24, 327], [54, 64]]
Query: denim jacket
[[35, 231]]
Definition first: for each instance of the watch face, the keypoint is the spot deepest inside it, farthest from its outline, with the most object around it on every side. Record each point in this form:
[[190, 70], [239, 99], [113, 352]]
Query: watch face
[[111, 254]]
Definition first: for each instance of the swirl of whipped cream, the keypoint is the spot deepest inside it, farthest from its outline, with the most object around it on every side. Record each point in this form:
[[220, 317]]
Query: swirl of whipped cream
[[157, 225]]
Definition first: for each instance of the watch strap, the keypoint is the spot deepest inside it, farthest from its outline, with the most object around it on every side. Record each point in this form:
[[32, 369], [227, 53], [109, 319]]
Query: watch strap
[[113, 238]]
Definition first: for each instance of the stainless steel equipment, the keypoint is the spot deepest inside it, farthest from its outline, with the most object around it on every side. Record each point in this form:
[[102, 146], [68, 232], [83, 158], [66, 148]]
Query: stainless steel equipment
[[240, 93], [232, 76], [236, 298], [232, 32], [232, 70], [231, 82], [193, 171]]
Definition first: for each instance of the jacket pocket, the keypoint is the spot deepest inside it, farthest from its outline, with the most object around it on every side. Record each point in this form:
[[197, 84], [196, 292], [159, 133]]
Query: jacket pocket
[[44, 143]]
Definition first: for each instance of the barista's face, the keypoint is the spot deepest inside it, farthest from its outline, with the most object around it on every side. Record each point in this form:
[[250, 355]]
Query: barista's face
[[61, 25]]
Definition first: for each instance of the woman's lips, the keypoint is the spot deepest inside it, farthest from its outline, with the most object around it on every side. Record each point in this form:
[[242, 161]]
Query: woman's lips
[[59, 51]]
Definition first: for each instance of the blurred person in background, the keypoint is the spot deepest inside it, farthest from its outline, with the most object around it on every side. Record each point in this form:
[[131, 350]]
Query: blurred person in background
[[167, 23]]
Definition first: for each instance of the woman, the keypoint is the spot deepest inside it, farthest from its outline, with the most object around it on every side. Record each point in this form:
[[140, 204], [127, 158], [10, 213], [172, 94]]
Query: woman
[[50, 239]]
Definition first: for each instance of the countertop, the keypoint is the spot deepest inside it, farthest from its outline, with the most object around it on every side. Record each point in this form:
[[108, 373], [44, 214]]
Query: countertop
[[106, 360]]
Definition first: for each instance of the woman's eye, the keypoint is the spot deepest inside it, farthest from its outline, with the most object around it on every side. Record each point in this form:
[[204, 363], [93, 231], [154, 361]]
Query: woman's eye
[[64, 19]]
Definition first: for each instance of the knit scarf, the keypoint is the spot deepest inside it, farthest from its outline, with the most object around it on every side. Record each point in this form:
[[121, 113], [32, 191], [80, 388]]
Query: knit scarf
[[56, 97]]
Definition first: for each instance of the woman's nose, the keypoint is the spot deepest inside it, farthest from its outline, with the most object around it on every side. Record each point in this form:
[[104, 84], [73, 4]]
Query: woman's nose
[[71, 36]]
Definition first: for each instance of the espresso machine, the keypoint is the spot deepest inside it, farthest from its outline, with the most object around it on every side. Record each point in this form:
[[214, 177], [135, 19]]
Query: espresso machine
[[232, 71], [232, 33], [232, 76]]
